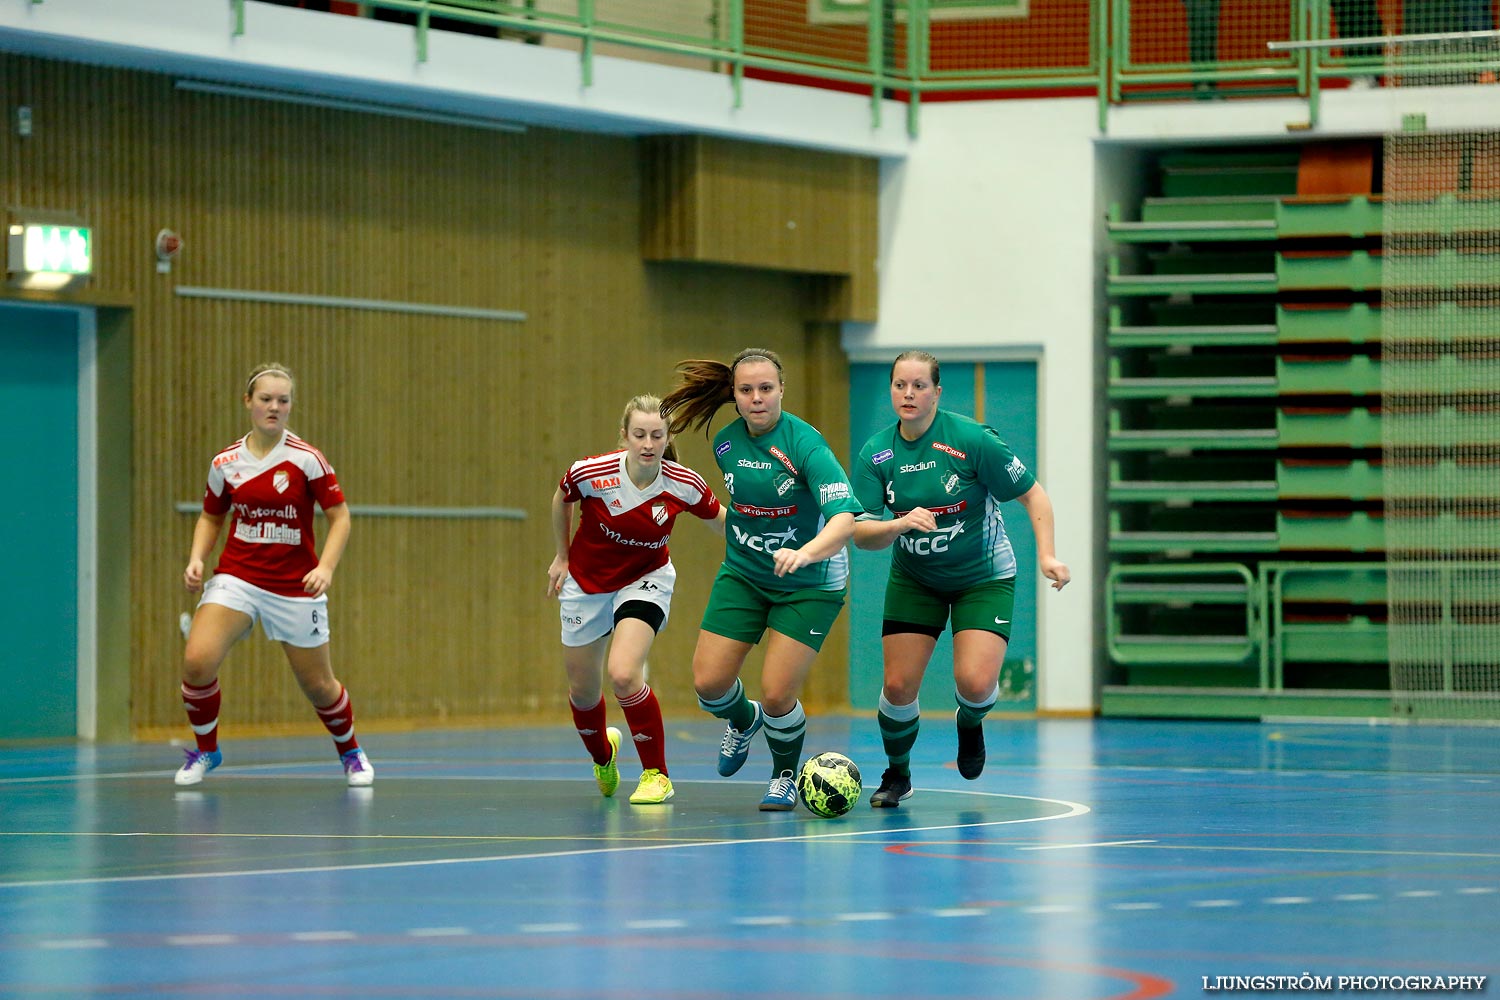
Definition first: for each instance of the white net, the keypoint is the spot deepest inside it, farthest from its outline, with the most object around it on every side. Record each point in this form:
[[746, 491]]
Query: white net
[[1441, 387]]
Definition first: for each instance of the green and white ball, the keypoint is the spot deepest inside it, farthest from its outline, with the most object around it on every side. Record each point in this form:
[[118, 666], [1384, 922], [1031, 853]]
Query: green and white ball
[[829, 784]]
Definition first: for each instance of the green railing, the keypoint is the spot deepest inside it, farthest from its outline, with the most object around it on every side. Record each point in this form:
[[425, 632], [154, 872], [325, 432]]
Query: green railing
[[1119, 50]]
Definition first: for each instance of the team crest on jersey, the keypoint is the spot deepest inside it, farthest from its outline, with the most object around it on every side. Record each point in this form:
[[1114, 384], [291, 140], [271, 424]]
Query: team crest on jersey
[[280, 480], [784, 484], [659, 512], [950, 484]]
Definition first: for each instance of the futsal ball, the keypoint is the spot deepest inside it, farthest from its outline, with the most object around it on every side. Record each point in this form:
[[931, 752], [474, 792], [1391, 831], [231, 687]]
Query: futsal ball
[[829, 784]]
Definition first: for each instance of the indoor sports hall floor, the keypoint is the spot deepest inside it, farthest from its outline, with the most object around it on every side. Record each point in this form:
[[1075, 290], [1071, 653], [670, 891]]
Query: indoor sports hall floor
[[1093, 859]]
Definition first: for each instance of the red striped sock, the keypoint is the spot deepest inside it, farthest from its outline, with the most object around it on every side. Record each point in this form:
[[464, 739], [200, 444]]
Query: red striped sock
[[643, 716], [338, 719], [590, 725], [202, 704]]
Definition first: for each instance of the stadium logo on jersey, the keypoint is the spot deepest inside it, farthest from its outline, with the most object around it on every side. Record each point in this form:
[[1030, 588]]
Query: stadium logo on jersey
[[1016, 470], [750, 510], [280, 480], [749, 463], [919, 467], [608, 483], [950, 484], [659, 512], [721, 449], [769, 542], [784, 484], [882, 456], [780, 456], [933, 541], [949, 449], [833, 491]]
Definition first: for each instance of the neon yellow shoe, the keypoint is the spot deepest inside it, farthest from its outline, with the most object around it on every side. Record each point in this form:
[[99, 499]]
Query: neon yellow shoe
[[608, 775], [654, 789]]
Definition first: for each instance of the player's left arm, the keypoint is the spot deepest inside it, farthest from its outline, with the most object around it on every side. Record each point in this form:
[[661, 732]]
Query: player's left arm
[[1039, 507], [320, 577]]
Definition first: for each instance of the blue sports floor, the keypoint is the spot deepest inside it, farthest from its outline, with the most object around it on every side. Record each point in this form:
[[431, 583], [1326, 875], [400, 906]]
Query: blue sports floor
[[1092, 859]]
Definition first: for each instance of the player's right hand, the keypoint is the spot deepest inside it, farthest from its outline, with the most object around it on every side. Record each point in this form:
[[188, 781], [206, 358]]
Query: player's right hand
[[556, 574], [920, 519]]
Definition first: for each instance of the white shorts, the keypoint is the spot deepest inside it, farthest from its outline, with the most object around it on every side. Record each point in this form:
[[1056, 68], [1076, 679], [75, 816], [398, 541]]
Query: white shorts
[[296, 621], [587, 618]]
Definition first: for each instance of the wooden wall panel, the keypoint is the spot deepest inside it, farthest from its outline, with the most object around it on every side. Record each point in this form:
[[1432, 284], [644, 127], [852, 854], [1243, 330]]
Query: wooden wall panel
[[432, 619], [724, 201]]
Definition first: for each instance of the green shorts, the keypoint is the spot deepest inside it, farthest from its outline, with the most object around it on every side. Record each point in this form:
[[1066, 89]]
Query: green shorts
[[738, 609], [912, 607]]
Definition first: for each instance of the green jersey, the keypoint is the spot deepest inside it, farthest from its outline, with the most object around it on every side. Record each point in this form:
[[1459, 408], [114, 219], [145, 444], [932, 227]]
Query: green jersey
[[961, 471], [783, 486]]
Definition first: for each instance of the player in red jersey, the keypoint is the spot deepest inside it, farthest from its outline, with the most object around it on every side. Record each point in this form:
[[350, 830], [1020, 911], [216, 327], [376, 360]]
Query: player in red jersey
[[615, 576], [270, 570]]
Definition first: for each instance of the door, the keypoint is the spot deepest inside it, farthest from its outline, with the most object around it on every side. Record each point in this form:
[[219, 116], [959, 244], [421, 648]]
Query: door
[[39, 612]]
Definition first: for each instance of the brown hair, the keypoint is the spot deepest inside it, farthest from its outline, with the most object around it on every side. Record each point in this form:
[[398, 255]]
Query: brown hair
[[270, 368], [707, 385], [651, 405], [923, 356]]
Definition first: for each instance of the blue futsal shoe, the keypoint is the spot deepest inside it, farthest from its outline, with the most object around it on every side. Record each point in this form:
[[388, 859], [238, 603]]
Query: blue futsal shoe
[[735, 748], [781, 794]]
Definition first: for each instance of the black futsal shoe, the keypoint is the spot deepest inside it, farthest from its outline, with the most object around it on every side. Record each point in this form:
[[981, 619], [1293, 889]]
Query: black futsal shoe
[[971, 751], [894, 786]]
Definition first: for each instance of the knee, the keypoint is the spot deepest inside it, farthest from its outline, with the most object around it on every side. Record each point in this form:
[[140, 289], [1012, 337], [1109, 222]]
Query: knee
[[199, 668], [625, 680], [901, 694]]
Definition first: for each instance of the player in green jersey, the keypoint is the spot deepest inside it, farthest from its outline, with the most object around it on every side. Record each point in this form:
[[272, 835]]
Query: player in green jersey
[[790, 515], [943, 476]]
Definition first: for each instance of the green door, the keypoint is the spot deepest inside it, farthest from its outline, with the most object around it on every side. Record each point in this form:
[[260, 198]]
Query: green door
[[39, 352], [1003, 395]]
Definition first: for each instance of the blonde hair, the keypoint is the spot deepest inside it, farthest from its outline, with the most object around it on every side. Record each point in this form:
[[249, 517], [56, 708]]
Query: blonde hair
[[707, 385], [651, 406], [270, 368]]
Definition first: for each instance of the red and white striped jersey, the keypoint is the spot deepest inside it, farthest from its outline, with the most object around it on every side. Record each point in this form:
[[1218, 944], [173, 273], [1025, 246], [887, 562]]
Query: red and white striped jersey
[[271, 533], [622, 531]]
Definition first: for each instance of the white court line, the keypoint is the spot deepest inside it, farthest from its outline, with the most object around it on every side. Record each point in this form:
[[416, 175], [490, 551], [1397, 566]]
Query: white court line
[[1073, 809], [67, 943], [324, 936], [1066, 847]]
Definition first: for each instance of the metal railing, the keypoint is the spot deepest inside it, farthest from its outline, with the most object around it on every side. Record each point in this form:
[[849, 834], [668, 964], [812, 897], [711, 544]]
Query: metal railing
[[924, 50]]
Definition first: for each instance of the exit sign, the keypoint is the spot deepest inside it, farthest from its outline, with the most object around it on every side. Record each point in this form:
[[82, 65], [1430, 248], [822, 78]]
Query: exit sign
[[49, 255]]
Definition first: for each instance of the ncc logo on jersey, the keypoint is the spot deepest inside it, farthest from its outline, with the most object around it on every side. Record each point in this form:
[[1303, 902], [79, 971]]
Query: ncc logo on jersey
[[659, 512], [280, 480]]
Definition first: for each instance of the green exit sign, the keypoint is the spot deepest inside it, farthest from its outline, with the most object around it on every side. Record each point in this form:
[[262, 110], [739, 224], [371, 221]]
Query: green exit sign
[[48, 255]]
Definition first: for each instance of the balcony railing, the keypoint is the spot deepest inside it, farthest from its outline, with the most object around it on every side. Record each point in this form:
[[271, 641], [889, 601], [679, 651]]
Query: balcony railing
[[932, 50]]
